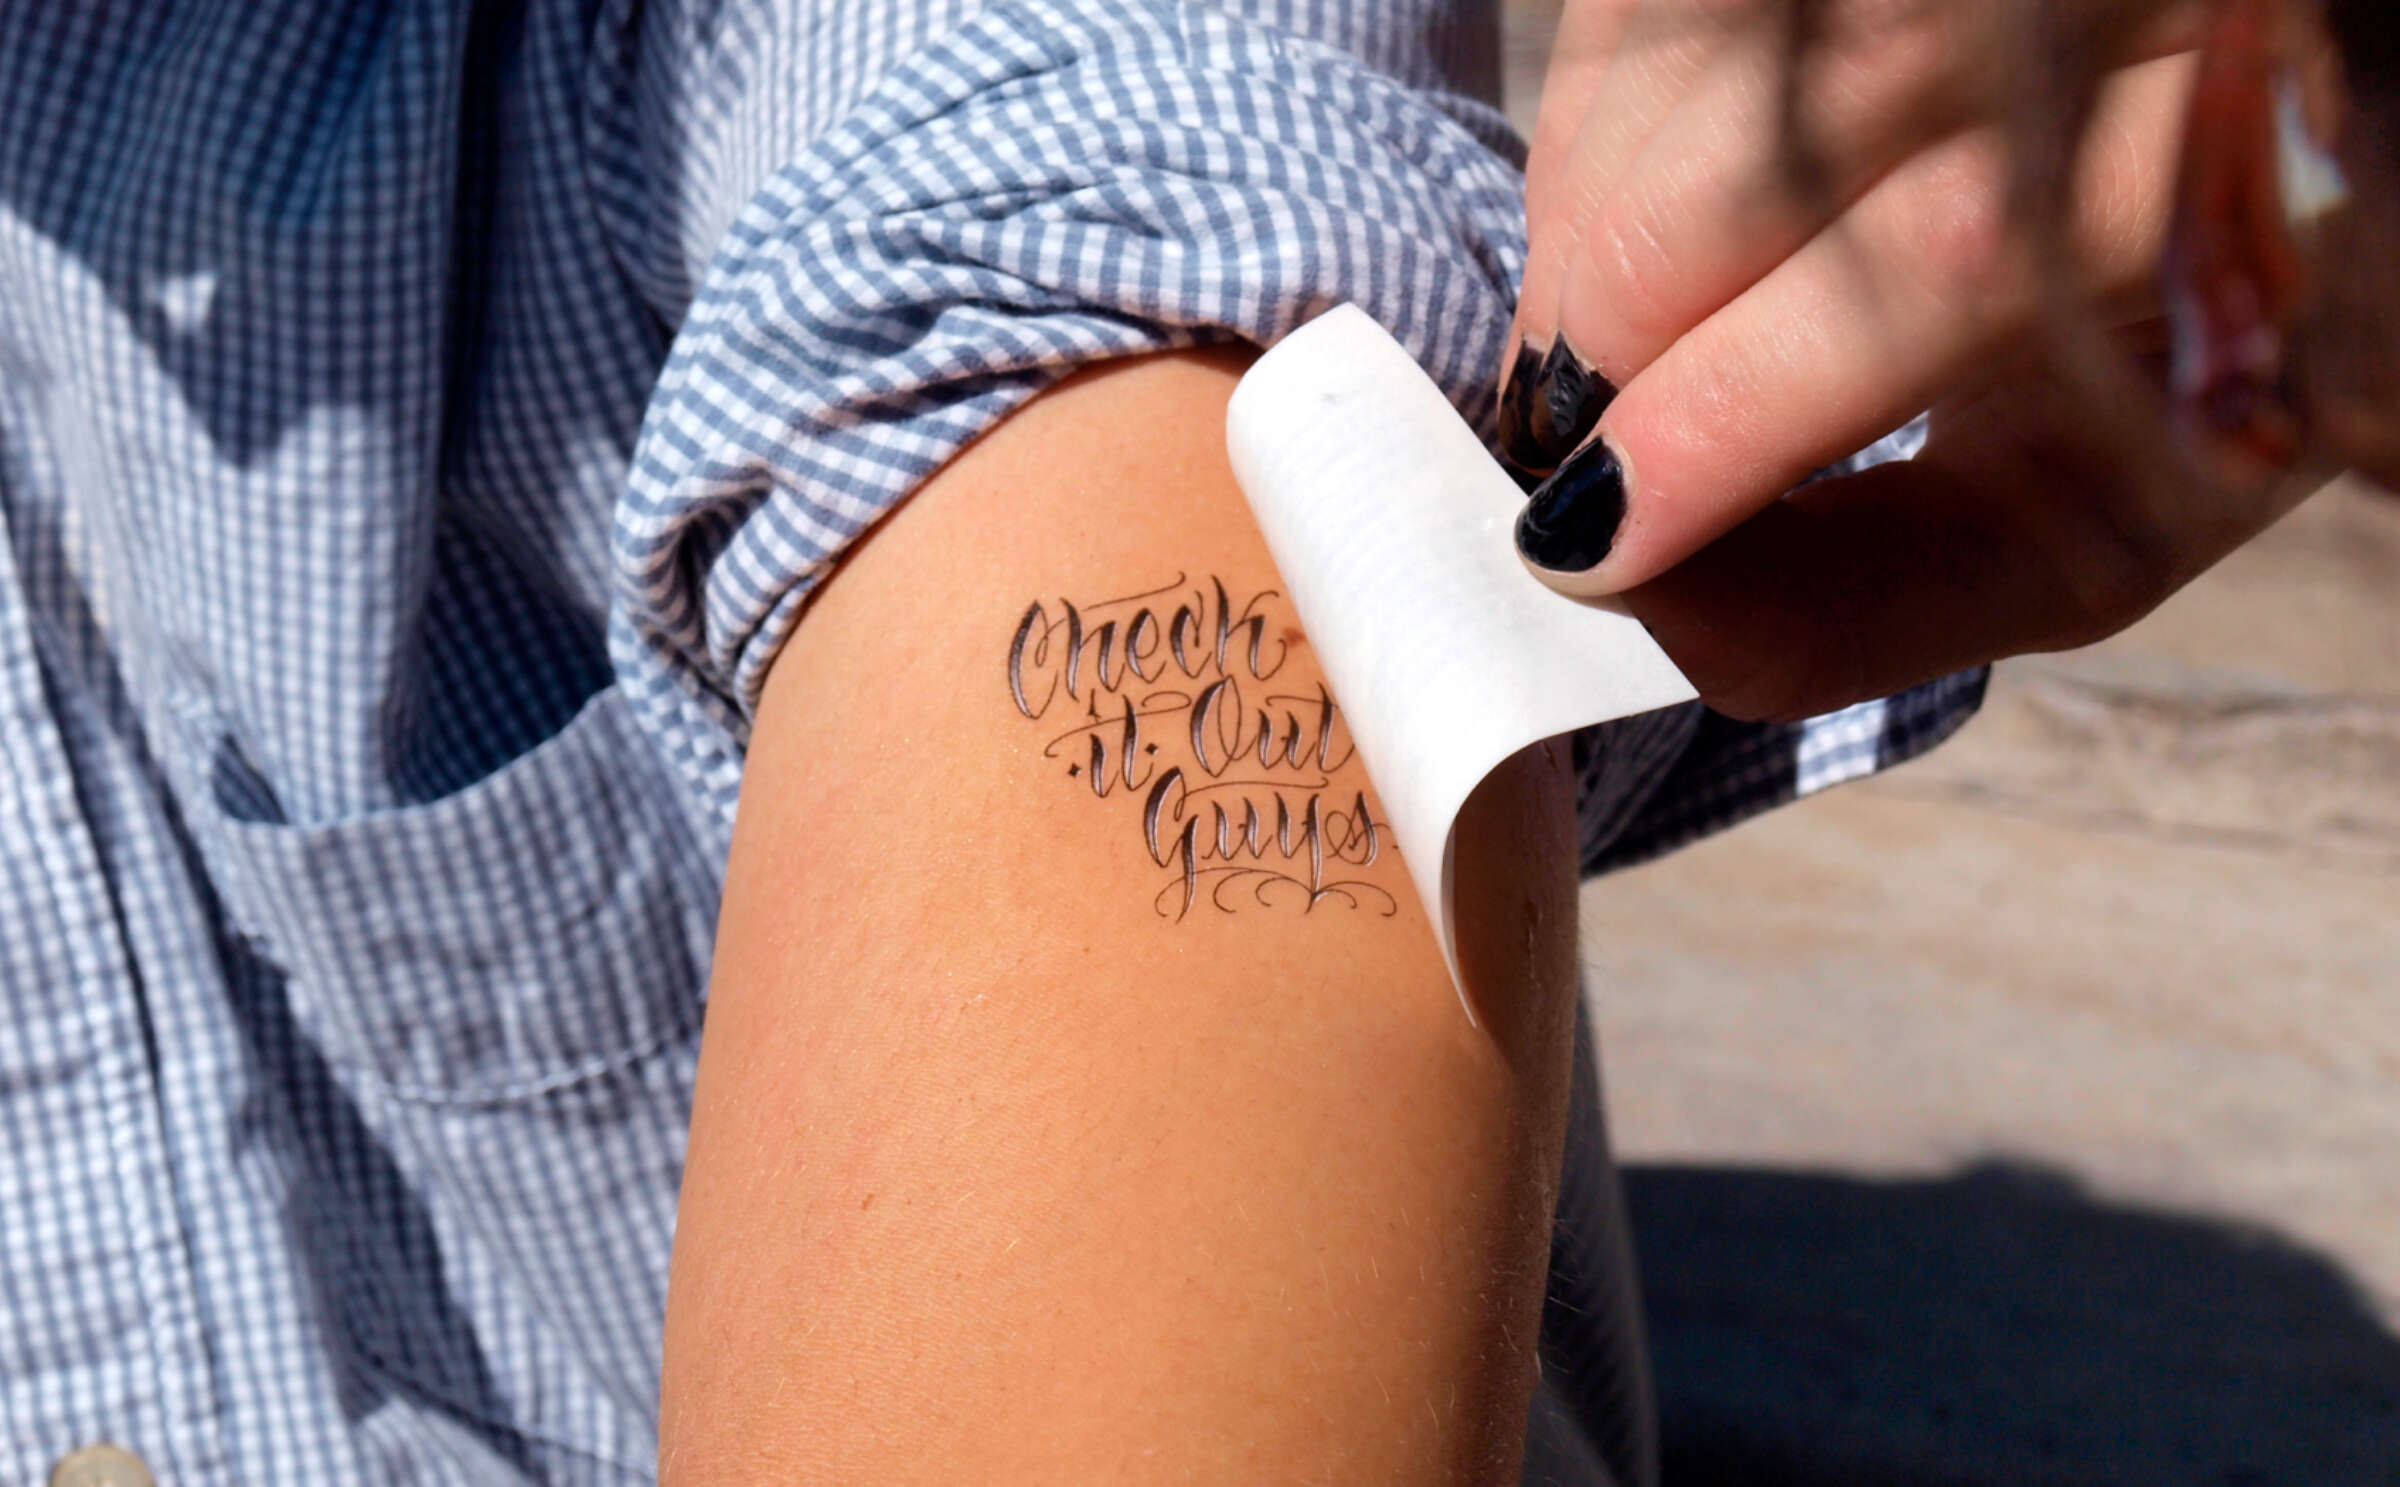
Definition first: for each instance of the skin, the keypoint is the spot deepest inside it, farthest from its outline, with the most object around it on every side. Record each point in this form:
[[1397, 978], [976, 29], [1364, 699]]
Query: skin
[[1765, 313], [998, 1175]]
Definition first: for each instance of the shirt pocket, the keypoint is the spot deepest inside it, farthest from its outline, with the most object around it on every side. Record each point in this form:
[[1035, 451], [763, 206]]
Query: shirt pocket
[[546, 925]]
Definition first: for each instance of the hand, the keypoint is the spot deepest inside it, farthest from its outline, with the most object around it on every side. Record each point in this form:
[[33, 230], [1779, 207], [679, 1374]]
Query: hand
[[1778, 260]]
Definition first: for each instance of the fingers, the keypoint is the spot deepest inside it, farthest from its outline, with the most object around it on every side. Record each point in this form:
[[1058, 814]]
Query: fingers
[[2006, 538], [1880, 315], [1686, 146], [1618, 74], [1715, 197], [1670, 215], [1580, 54]]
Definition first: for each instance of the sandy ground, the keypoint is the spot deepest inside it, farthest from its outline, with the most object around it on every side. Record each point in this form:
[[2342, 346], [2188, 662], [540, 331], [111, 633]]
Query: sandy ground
[[2032, 1114]]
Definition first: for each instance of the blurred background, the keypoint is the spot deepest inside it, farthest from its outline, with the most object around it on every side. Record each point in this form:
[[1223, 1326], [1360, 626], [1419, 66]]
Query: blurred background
[[2031, 1114]]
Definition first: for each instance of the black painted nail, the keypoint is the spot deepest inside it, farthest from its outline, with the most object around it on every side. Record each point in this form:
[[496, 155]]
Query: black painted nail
[[1572, 520], [1551, 405], [1573, 398], [1516, 410]]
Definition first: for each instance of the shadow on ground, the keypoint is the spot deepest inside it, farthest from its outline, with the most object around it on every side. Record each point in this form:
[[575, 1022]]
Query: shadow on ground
[[1997, 1326]]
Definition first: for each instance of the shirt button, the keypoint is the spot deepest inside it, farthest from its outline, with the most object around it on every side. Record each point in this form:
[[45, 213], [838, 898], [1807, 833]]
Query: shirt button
[[101, 1466]]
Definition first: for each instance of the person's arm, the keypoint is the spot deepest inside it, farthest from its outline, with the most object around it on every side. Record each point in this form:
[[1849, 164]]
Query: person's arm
[[1029, 1149]]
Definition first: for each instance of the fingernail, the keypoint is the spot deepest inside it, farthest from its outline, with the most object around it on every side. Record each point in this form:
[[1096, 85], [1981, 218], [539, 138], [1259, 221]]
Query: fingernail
[[1552, 403], [1572, 520], [1573, 398], [1516, 409]]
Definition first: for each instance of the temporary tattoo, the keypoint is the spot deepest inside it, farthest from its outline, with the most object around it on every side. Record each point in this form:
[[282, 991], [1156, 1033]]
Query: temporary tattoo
[[1239, 789]]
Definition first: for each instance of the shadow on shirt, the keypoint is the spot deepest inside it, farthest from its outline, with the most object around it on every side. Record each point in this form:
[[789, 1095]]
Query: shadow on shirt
[[390, 1325], [1996, 1326]]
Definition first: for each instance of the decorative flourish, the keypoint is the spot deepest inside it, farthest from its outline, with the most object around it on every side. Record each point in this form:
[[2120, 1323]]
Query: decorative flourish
[[1244, 805]]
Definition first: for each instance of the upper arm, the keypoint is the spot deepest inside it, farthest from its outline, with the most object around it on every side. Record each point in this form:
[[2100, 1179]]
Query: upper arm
[[1052, 1126]]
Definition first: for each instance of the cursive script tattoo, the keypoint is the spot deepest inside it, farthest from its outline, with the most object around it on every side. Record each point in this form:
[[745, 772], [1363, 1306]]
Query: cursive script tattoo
[[1245, 788]]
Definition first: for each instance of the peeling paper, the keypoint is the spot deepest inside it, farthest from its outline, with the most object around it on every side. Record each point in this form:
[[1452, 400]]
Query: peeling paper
[[1391, 525]]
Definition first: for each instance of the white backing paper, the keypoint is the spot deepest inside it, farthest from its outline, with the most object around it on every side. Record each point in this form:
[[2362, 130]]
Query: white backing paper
[[1391, 525]]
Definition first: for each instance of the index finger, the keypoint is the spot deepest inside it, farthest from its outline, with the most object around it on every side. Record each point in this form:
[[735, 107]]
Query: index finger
[[1885, 313]]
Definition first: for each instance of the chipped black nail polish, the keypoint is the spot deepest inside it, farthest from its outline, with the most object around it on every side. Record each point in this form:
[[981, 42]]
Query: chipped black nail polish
[[1573, 396], [1517, 400], [1551, 404], [1572, 520]]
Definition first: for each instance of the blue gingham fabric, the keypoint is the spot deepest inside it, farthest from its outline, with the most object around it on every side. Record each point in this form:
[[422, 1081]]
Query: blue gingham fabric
[[419, 426]]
